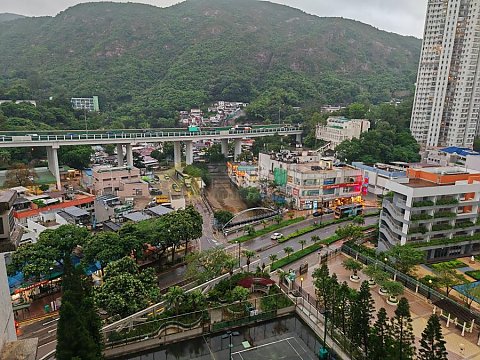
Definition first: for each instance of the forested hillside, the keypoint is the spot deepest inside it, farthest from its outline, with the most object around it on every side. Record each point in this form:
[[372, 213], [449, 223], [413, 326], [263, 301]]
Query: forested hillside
[[146, 63], [9, 17]]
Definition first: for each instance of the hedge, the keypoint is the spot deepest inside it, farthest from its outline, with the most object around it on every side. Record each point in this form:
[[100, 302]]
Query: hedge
[[311, 228], [453, 240], [268, 229], [309, 249]]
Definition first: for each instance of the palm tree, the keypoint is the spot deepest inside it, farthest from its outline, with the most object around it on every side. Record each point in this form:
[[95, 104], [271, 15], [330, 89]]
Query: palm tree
[[264, 223], [273, 258], [278, 219], [288, 250], [174, 298], [359, 220], [302, 242], [196, 300], [315, 238], [248, 254]]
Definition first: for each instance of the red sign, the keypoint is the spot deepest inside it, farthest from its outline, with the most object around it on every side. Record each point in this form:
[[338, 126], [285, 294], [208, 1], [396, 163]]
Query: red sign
[[336, 186], [30, 287], [295, 192]]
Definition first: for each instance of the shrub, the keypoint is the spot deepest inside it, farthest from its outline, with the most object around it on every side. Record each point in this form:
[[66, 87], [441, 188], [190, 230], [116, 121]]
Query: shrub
[[474, 274], [444, 214], [421, 216], [452, 264], [447, 201], [464, 224], [440, 227], [423, 203]]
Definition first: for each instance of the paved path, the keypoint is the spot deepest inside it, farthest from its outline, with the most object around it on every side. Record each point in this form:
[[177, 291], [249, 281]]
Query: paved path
[[419, 307]]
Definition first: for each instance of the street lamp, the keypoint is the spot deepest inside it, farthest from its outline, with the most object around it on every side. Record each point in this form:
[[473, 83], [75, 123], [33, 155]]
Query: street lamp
[[429, 288], [301, 283], [229, 334], [239, 252], [323, 352]]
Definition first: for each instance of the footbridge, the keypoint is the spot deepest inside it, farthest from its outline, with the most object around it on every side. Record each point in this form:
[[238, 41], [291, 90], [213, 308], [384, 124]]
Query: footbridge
[[53, 140]]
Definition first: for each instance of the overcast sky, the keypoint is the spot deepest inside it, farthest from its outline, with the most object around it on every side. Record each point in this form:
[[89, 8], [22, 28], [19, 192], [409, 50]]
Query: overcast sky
[[401, 16]]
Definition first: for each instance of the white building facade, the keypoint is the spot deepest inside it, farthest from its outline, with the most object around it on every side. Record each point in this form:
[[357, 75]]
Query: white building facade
[[447, 98], [339, 129]]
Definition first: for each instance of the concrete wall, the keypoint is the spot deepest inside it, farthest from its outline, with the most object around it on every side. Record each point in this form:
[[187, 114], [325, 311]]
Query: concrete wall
[[7, 325]]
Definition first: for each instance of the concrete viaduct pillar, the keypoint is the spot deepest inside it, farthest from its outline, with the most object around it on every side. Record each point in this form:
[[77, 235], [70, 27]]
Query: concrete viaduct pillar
[[120, 154], [225, 147], [177, 154], [52, 158], [298, 139], [238, 148], [189, 152], [129, 155]]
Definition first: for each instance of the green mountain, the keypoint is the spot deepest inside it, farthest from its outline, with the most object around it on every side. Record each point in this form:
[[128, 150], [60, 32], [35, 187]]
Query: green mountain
[[146, 62], [4, 17]]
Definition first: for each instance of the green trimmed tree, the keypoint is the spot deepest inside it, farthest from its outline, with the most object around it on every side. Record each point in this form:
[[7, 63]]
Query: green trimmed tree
[[432, 344], [405, 258], [354, 266], [361, 317], [402, 332], [380, 337], [273, 258], [248, 254], [78, 333], [393, 288], [302, 243]]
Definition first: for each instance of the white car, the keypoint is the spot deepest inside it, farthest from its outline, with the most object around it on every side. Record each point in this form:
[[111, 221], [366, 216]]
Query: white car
[[276, 236]]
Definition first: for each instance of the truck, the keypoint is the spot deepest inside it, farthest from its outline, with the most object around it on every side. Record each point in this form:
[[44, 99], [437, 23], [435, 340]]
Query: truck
[[162, 199]]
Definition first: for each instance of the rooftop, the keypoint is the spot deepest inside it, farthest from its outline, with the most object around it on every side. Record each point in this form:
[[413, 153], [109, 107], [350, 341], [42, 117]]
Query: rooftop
[[160, 210], [136, 216], [460, 151]]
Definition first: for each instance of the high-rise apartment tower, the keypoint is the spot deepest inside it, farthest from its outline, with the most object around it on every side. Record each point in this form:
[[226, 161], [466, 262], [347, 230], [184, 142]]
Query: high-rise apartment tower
[[447, 98]]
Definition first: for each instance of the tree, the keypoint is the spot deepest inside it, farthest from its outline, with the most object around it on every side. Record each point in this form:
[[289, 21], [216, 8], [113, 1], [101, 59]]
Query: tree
[[302, 242], [315, 238], [471, 292], [79, 326], [249, 229], [106, 247], [362, 315], [288, 250], [432, 344], [273, 258], [174, 298], [321, 280], [402, 332], [352, 265], [239, 293], [222, 216], [126, 289], [448, 278], [77, 157], [405, 257], [375, 273], [380, 340], [278, 219], [349, 232], [393, 288], [251, 195], [359, 220], [248, 254], [19, 175], [208, 264]]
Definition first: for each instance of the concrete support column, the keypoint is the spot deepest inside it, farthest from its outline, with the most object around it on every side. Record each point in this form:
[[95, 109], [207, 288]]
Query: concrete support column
[[238, 148], [52, 158], [120, 154], [177, 154], [129, 152], [225, 147], [298, 139], [189, 152]]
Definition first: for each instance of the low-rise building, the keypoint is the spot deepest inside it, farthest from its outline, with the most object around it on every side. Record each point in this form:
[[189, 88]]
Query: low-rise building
[[376, 177], [436, 210], [338, 129], [10, 232], [243, 174], [307, 181], [109, 207], [89, 104], [449, 156], [122, 181]]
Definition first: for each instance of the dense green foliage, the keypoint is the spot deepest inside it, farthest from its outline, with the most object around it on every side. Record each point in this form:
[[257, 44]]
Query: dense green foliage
[[432, 344], [79, 326], [146, 63], [251, 196]]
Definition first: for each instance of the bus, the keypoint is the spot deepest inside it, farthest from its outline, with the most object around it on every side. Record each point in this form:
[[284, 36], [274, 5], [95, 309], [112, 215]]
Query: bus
[[348, 210]]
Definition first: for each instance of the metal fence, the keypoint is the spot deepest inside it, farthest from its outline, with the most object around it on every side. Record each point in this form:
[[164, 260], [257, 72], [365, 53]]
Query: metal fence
[[409, 282]]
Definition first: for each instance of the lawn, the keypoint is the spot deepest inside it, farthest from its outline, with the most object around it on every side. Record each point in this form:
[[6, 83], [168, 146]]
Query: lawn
[[452, 264], [474, 274]]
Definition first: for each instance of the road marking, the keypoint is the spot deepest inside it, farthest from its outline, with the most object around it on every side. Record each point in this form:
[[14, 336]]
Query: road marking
[[48, 343], [51, 321], [53, 330]]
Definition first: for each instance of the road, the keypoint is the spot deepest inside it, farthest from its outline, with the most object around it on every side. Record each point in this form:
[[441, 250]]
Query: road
[[45, 329]]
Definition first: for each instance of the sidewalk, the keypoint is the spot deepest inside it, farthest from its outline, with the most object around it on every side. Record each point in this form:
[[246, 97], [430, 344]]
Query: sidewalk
[[37, 308], [419, 307]]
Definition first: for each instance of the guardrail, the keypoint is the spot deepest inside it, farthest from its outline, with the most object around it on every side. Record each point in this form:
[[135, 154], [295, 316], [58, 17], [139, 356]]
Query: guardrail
[[143, 135]]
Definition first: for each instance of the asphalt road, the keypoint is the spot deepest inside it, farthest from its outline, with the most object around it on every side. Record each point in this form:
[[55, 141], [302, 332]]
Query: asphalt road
[[45, 330]]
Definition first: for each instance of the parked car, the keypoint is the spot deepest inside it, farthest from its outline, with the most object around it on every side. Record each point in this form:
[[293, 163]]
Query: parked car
[[317, 213], [276, 236], [167, 177]]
